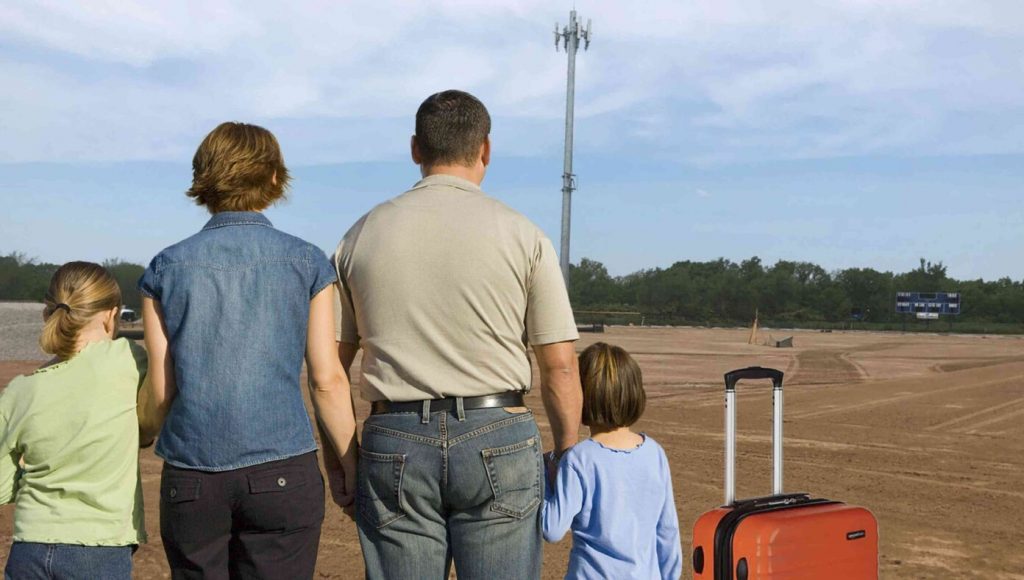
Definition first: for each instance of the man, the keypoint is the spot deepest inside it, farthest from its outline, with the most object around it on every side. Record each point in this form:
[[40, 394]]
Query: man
[[443, 287]]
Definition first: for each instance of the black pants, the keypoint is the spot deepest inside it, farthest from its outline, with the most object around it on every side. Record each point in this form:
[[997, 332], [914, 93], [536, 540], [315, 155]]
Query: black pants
[[256, 522]]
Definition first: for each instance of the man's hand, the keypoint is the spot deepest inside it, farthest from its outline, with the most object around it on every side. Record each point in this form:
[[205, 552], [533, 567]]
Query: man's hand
[[551, 460], [342, 482]]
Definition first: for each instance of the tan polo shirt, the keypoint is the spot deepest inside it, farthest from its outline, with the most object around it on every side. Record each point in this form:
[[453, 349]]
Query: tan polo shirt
[[443, 288]]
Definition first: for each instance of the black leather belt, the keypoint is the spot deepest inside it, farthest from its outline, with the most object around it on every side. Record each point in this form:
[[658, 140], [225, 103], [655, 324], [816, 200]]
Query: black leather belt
[[509, 399]]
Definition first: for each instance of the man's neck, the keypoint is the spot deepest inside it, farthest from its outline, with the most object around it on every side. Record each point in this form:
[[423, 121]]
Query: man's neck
[[473, 174]]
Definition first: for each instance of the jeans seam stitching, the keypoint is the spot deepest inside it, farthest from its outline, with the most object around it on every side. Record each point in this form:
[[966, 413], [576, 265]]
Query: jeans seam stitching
[[381, 457], [518, 514], [509, 449], [401, 435], [491, 427], [444, 450]]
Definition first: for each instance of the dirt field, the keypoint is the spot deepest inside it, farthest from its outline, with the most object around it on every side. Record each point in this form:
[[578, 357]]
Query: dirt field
[[927, 431]]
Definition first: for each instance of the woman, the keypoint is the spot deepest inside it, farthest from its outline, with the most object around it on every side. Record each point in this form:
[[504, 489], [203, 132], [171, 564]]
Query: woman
[[69, 439], [229, 314]]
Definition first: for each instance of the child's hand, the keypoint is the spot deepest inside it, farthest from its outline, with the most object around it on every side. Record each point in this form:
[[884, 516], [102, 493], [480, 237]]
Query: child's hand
[[551, 467]]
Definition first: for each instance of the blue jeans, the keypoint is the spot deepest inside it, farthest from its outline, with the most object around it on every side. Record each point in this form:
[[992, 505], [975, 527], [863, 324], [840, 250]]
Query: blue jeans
[[33, 561], [448, 488]]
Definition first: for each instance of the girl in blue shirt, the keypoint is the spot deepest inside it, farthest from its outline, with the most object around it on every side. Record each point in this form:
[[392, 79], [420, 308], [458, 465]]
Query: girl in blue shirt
[[614, 490]]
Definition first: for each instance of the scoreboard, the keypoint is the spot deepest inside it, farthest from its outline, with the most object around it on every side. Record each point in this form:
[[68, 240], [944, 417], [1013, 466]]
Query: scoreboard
[[928, 304]]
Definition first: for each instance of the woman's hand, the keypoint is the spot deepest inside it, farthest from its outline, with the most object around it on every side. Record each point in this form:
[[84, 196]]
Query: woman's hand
[[341, 477]]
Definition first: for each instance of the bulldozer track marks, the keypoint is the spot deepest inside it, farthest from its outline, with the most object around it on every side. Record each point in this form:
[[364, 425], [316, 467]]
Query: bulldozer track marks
[[963, 423]]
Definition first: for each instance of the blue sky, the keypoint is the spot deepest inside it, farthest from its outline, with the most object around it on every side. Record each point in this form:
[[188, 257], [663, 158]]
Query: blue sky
[[851, 133]]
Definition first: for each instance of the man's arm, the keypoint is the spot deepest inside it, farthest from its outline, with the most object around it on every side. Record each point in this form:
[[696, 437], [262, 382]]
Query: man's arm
[[159, 388], [561, 391], [347, 353], [332, 401]]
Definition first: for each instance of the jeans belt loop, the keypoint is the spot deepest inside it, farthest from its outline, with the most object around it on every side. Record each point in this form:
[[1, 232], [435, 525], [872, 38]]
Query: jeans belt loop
[[460, 409], [425, 418]]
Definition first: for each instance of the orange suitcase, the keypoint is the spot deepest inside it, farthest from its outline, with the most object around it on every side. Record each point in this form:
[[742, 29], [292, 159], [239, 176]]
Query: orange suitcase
[[781, 536]]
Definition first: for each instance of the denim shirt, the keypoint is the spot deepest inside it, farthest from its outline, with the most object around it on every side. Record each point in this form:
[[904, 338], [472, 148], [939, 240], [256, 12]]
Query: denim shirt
[[235, 300]]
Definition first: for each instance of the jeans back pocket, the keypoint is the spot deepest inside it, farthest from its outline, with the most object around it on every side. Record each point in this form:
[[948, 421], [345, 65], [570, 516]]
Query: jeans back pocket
[[514, 471], [379, 487]]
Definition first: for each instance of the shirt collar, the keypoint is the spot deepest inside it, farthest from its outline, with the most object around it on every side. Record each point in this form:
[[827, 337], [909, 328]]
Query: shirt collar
[[237, 218], [449, 180]]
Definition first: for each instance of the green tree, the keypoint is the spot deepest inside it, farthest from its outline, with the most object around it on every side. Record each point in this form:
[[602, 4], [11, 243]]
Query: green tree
[[127, 276]]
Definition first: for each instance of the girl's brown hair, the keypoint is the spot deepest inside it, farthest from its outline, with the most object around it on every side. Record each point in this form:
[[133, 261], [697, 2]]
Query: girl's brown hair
[[78, 291], [613, 387], [234, 169]]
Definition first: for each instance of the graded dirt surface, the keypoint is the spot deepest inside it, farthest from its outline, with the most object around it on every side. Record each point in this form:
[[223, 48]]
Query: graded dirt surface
[[925, 430], [20, 323]]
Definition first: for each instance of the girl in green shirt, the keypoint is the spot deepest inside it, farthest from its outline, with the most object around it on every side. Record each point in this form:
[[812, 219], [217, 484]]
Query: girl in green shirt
[[69, 438]]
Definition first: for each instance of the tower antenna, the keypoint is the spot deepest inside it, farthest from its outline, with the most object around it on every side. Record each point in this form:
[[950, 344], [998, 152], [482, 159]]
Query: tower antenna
[[569, 37]]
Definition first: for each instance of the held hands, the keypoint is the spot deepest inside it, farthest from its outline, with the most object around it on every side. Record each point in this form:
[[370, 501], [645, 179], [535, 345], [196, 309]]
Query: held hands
[[551, 459], [145, 442], [341, 478]]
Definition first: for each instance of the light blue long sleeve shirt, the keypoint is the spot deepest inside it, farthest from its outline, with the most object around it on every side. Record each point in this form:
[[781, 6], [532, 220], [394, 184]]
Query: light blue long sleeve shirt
[[621, 510]]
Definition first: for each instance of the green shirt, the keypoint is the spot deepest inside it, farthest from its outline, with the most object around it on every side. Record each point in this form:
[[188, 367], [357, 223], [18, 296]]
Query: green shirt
[[74, 426]]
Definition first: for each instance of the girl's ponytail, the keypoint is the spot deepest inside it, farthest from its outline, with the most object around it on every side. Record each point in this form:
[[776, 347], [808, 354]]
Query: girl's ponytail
[[78, 292]]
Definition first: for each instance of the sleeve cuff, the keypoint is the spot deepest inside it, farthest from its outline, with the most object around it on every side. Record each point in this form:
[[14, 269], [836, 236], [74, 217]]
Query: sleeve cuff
[[320, 288], [553, 336]]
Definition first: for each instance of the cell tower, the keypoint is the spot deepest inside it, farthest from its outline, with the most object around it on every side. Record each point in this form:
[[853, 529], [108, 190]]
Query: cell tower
[[569, 37]]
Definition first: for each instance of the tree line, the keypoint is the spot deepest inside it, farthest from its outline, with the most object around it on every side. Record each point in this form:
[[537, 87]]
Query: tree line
[[703, 293], [787, 292], [22, 278]]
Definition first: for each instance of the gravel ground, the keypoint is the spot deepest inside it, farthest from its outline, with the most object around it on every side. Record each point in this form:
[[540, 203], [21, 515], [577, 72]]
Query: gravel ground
[[20, 324]]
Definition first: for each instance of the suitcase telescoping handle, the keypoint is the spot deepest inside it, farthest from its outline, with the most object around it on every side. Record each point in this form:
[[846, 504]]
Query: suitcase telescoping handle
[[731, 378]]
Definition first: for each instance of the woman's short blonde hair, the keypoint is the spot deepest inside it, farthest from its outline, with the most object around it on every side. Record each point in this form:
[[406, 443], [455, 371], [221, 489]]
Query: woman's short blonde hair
[[613, 387], [78, 291], [238, 167]]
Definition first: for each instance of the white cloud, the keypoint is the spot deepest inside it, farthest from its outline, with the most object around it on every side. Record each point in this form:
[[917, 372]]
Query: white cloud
[[707, 81], [134, 33]]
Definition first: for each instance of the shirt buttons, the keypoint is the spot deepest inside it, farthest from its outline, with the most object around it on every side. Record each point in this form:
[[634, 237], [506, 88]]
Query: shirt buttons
[[281, 482], [173, 493]]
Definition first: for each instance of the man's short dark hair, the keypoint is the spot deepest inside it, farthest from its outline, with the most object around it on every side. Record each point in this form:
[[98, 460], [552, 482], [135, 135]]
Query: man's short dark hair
[[450, 128]]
